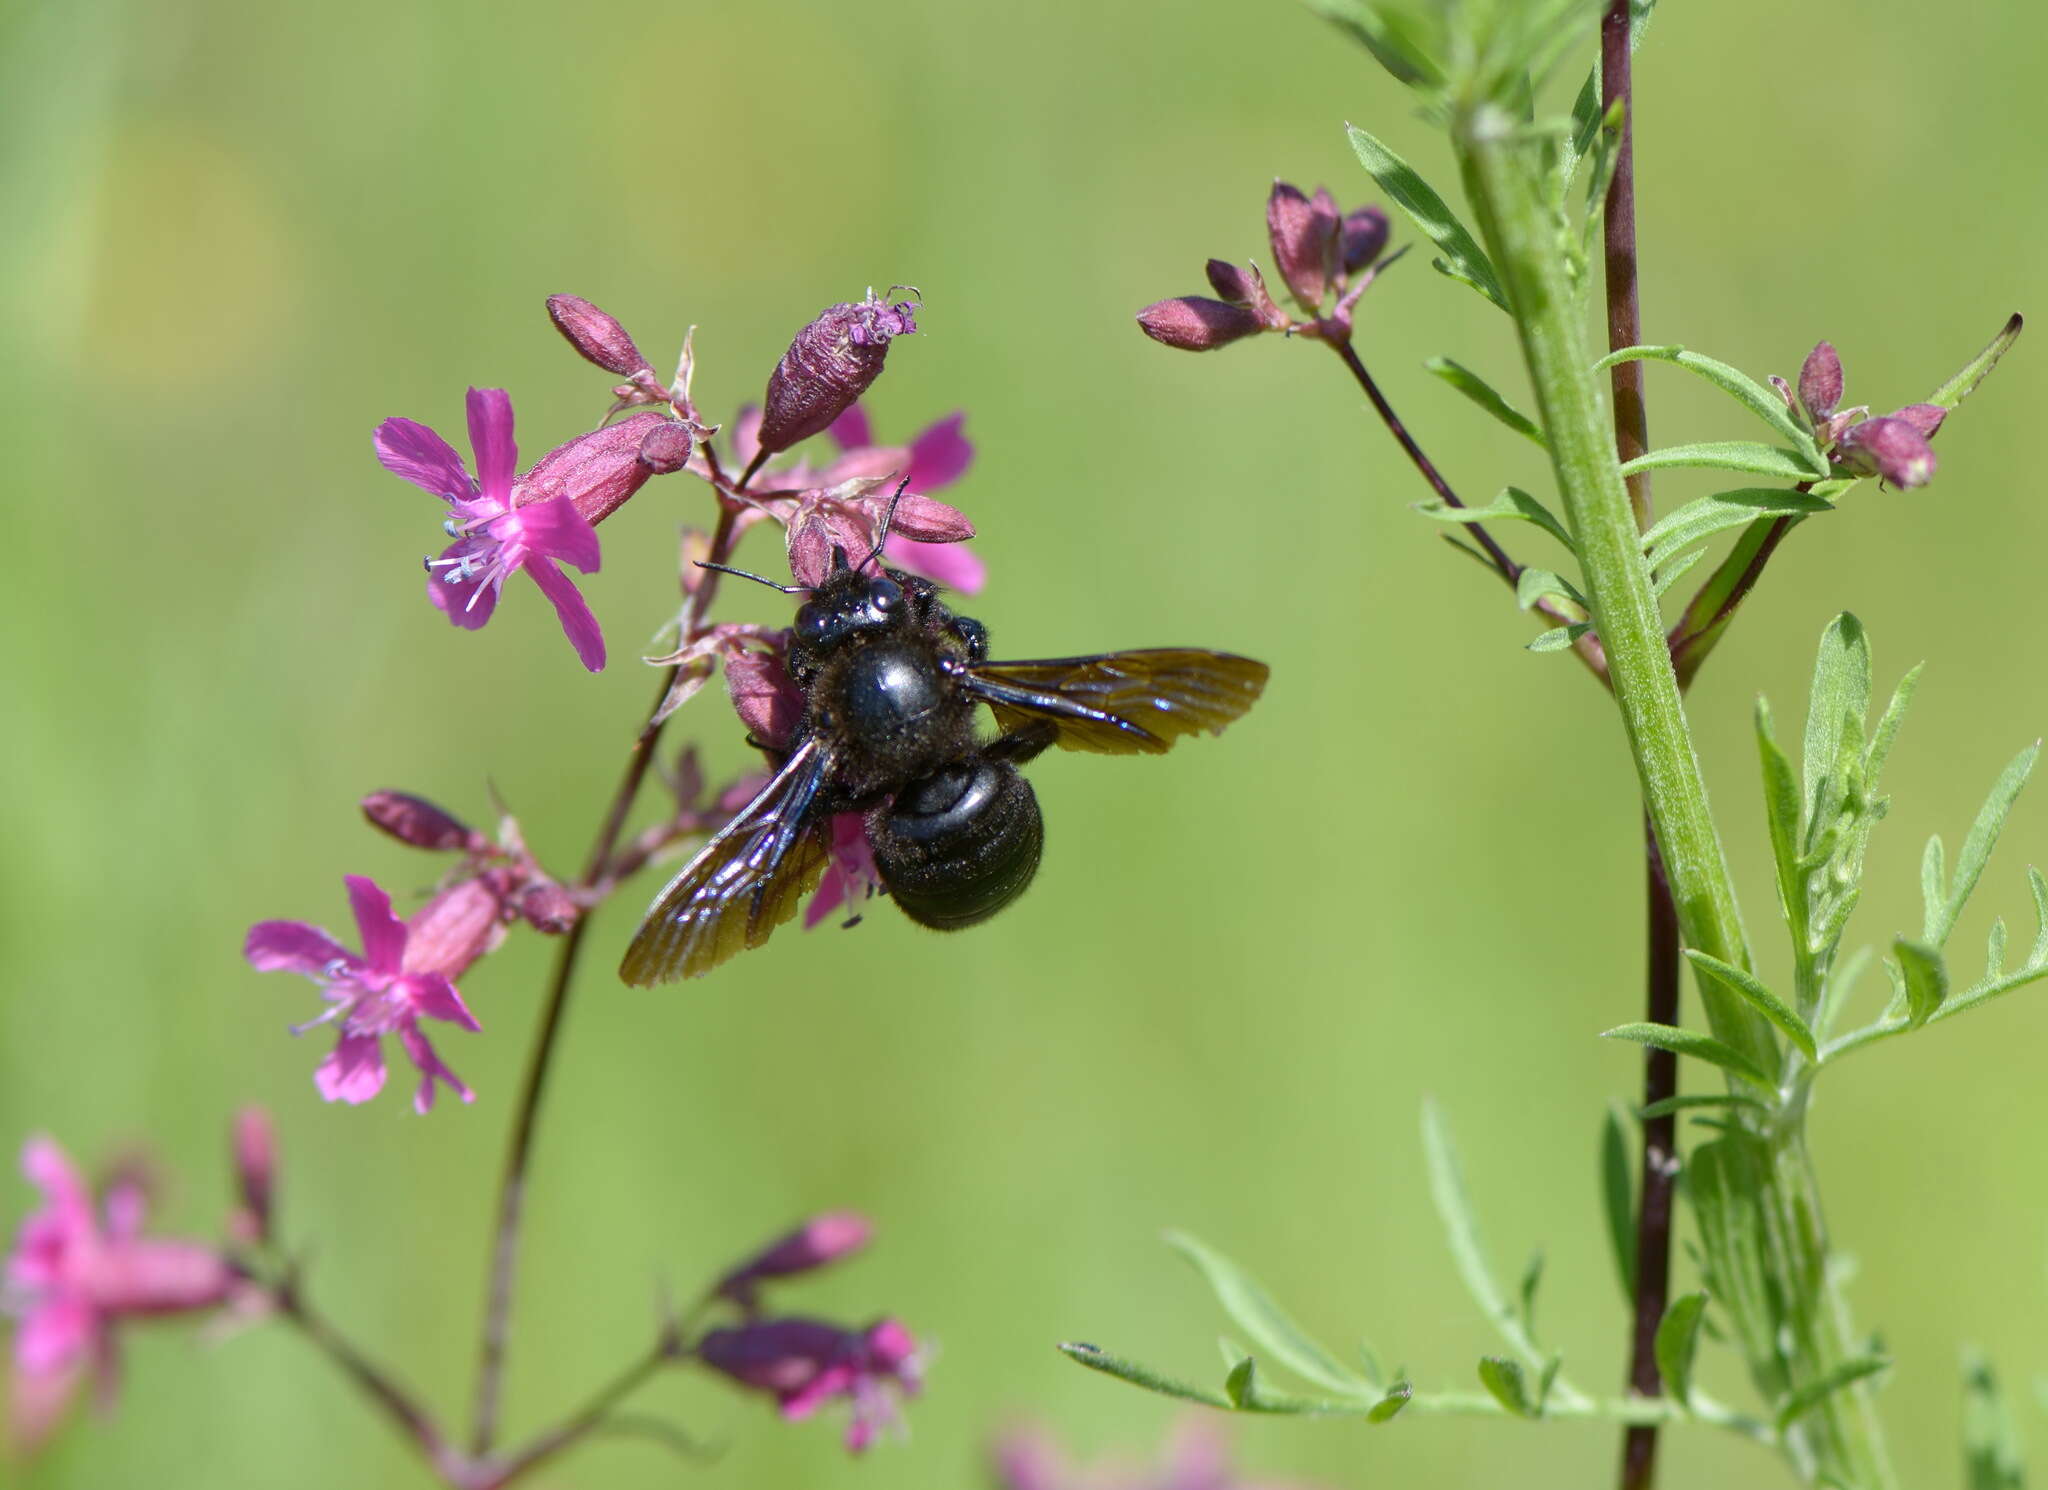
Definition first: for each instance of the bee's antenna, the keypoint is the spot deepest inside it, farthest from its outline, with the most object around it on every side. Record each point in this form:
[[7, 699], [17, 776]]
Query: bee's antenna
[[756, 578], [888, 517]]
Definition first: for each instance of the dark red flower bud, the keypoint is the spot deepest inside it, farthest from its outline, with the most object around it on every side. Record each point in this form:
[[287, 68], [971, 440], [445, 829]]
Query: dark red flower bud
[[548, 907], [1195, 323], [768, 702], [1820, 382], [1304, 232], [1890, 448], [417, 821], [597, 336], [828, 367], [1229, 282], [821, 1240], [667, 447], [597, 471], [1363, 236], [1924, 417], [255, 1152], [454, 929]]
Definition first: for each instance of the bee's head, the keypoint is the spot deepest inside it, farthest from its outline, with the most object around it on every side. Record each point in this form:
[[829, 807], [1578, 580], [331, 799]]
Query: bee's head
[[849, 602]]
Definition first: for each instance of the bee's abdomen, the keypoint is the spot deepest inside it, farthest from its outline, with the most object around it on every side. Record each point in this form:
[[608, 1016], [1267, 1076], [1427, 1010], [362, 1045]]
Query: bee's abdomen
[[958, 845]]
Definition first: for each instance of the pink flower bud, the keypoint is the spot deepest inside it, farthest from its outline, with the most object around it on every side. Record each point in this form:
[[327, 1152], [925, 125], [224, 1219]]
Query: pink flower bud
[[548, 907], [1363, 236], [597, 471], [1195, 323], [1926, 418], [1228, 281], [819, 1241], [1890, 448], [595, 335], [667, 447], [828, 367], [763, 695], [1304, 233], [1820, 382], [255, 1152], [418, 822], [806, 1363], [454, 929]]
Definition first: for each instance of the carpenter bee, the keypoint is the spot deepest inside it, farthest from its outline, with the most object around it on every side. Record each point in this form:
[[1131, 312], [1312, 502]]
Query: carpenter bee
[[891, 679]]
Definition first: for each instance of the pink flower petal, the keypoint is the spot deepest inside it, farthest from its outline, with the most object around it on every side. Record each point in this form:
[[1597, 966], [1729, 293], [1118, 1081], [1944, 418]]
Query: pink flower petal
[[431, 1070], [851, 430], [555, 529], [746, 435], [55, 1335], [158, 1277], [36, 1403], [954, 565], [383, 933], [767, 701], [433, 996], [50, 1170], [354, 1073], [412, 452], [470, 603], [578, 624], [490, 436], [940, 455], [293, 947]]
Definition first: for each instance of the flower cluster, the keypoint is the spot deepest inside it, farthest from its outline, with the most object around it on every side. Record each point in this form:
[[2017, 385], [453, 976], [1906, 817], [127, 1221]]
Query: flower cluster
[[1324, 256], [1893, 447]]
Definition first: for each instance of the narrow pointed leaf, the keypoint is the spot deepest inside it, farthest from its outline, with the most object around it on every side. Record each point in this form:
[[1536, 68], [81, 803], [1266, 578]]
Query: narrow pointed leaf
[[1991, 1449], [1252, 1309], [1532, 1278], [1504, 1380], [1097, 1359], [1994, 950], [1933, 888], [2039, 886], [1888, 727], [1685, 1103], [1558, 638], [1814, 1393], [1239, 1386], [1678, 1337], [1464, 259], [1925, 978], [1978, 368], [1750, 989], [1461, 1229], [1749, 456], [1535, 584], [1512, 505], [1483, 394], [1841, 690], [1760, 400], [1690, 1042], [1389, 1406], [1729, 509], [1976, 850], [1385, 38], [1670, 571], [1618, 1199], [1781, 811]]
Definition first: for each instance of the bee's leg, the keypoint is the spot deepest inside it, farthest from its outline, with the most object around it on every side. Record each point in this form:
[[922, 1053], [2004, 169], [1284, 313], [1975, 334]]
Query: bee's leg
[[1021, 745], [973, 635]]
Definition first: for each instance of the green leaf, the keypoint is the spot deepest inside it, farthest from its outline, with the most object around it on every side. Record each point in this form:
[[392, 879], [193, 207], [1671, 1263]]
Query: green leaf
[[1618, 1199], [1389, 1406], [1512, 505], [1239, 1385], [1924, 976], [1703, 1099], [1532, 1277], [1503, 1378], [1463, 259], [1678, 1337], [1810, 1396], [1385, 35], [1841, 691], [1978, 368], [1726, 455], [1690, 1042], [1729, 509], [1268, 1325], [2039, 886], [1888, 726], [1547, 1380], [1606, 152], [1534, 585], [1747, 987], [1994, 950], [1560, 637], [1991, 1448], [1933, 888], [1781, 811], [1670, 571], [1761, 401], [1976, 849], [1483, 394], [1461, 1229], [1097, 1359]]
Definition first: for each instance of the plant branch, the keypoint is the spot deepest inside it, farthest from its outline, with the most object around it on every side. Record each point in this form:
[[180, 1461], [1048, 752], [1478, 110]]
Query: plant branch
[[580, 1424], [512, 1184]]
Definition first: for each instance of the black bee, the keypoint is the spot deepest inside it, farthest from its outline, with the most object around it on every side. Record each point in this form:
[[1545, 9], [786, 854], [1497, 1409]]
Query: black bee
[[891, 679]]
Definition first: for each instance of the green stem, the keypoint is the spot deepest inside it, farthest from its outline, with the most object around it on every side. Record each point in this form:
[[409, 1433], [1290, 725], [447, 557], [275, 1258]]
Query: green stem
[[1526, 237]]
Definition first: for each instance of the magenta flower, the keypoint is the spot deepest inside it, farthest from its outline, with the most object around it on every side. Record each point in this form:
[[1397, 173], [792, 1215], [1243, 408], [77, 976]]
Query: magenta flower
[[74, 1276], [936, 457], [819, 1241], [806, 1363], [851, 877], [1893, 447], [496, 534], [388, 989]]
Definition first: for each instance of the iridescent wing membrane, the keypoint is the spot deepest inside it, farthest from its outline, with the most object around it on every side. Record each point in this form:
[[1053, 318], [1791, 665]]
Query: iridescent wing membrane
[[1122, 703], [742, 885]]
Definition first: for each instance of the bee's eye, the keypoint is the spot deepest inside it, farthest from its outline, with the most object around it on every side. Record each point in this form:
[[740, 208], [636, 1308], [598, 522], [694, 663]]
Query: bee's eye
[[812, 623], [885, 594]]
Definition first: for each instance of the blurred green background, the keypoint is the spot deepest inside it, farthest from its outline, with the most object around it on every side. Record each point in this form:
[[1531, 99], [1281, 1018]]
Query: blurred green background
[[236, 237]]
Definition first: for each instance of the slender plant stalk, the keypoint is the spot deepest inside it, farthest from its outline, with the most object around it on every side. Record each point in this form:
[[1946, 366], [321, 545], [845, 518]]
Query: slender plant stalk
[[413, 1422], [587, 1420], [1521, 232], [512, 1184]]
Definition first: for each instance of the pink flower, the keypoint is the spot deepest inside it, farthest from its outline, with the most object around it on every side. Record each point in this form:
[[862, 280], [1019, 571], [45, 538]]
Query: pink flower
[[388, 989], [1893, 447], [495, 533], [819, 1241], [851, 877], [936, 457], [806, 1363], [73, 1276]]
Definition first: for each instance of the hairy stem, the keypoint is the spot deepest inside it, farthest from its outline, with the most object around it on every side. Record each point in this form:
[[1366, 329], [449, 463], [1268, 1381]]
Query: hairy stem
[[512, 1184]]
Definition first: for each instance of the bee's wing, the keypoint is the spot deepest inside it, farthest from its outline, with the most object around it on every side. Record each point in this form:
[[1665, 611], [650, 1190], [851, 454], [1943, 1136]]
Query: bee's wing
[[1121, 703], [742, 885]]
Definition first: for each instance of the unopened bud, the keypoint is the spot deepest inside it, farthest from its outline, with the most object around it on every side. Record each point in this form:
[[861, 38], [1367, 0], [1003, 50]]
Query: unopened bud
[[1820, 382], [1304, 233], [1924, 417], [1890, 448], [597, 336], [819, 1241], [548, 907], [1229, 282], [1195, 323], [768, 702], [418, 822], [667, 447], [454, 929], [255, 1153], [1363, 236], [829, 365], [597, 471]]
